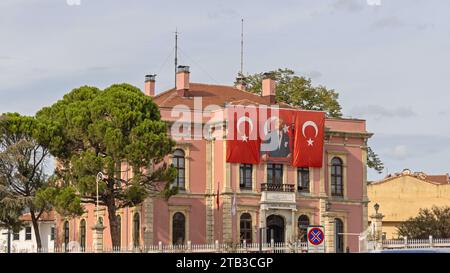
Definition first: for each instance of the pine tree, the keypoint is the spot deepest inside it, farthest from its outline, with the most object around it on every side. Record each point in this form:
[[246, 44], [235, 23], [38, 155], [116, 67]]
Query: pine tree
[[96, 131]]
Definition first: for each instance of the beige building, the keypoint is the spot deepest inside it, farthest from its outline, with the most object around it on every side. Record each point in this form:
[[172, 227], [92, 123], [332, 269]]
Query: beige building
[[402, 195]]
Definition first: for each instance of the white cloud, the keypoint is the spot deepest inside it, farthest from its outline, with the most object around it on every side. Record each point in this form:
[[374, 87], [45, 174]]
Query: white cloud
[[375, 3], [348, 5], [73, 2]]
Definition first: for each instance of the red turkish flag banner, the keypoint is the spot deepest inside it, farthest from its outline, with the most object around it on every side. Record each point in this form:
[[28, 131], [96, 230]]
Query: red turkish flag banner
[[243, 142], [309, 138]]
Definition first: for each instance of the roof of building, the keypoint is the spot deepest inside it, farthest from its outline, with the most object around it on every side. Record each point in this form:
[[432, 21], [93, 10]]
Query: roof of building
[[441, 179], [211, 94], [45, 217]]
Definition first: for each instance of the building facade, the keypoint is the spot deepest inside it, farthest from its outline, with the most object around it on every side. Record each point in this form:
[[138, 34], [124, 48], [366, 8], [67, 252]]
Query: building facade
[[25, 239], [232, 202], [401, 196]]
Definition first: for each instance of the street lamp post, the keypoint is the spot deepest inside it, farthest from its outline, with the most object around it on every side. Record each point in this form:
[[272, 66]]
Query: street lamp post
[[99, 177], [98, 227]]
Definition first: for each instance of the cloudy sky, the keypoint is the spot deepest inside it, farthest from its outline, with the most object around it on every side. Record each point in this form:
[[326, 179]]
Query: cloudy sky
[[389, 62]]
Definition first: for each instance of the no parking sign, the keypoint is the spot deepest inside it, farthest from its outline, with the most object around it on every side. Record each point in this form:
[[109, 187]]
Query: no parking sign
[[316, 239]]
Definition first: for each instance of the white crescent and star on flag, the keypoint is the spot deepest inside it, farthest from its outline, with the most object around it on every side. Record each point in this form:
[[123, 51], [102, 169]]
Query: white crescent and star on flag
[[241, 120], [314, 126]]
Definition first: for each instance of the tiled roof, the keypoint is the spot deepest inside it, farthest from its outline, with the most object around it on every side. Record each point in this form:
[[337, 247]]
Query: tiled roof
[[50, 216], [433, 179], [211, 94], [441, 179]]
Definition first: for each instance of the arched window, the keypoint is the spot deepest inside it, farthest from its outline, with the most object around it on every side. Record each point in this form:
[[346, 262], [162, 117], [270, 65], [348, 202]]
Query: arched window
[[179, 164], [302, 223], [246, 228], [339, 235], [66, 234], [119, 229], [83, 233], [178, 228], [136, 230], [337, 187]]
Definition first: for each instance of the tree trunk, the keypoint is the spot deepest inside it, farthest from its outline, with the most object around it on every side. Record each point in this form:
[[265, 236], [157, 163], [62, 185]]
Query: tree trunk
[[113, 227], [35, 223], [9, 240]]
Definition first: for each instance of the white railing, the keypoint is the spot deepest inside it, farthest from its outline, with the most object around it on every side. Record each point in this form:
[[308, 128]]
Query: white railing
[[297, 247], [416, 243]]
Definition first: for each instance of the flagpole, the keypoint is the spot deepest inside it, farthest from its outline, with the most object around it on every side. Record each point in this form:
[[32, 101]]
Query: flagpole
[[217, 212]]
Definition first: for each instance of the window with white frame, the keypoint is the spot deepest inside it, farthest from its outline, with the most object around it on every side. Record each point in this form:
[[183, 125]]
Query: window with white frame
[[178, 162], [337, 182], [178, 228], [245, 176], [303, 179]]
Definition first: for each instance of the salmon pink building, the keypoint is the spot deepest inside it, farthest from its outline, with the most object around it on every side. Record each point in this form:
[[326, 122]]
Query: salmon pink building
[[220, 199]]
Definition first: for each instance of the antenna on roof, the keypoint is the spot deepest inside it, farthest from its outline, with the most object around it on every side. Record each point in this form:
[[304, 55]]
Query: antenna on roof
[[176, 54], [242, 47]]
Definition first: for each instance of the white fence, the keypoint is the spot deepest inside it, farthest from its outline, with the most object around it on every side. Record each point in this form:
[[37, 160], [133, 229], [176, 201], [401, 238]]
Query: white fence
[[416, 243], [297, 247]]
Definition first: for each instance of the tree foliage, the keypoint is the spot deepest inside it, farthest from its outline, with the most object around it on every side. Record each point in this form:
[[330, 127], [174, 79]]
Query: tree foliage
[[116, 131], [374, 161], [299, 91], [434, 221], [10, 211], [22, 169]]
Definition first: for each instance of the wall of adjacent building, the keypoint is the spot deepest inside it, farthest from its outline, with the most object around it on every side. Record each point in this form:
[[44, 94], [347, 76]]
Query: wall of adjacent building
[[23, 245], [402, 197]]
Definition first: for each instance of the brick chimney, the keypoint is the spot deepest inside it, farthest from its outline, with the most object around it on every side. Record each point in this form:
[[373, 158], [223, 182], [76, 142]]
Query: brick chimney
[[240, 83], [182, 80], [150, 85], [268, 87]]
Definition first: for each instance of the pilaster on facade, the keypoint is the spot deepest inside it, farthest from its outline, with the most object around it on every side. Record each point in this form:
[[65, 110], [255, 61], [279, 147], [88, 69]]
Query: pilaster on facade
[[364, 177], [209, 161], [262, 220], [227, 218], [227, 185], [322, 210], [328, 223], [148, 222], [322, 178], [210, 219], [210, 189], [329, 234]]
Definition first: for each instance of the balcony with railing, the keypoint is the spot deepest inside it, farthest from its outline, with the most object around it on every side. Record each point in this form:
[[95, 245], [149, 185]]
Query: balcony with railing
[[278, 194], [277, 187]]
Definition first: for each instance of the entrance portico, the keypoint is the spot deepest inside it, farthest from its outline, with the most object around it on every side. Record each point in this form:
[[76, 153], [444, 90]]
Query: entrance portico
[[277, 212]]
